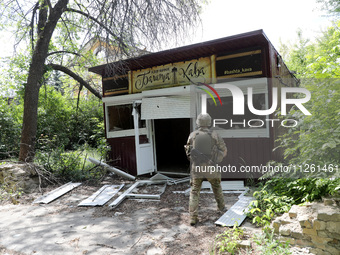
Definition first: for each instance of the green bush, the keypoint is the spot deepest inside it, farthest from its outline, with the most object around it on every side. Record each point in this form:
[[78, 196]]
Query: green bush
[[10, 126], [71, 165], [72, 122], [279, 194], [266, 206], [227, 241]]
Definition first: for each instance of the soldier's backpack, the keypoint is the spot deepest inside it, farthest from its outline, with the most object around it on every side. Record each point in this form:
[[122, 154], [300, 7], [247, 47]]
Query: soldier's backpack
[[202, 148]]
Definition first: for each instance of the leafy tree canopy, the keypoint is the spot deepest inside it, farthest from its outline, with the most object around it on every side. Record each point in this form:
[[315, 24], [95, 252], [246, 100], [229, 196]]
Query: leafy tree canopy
[[61, 35], [317, 138]]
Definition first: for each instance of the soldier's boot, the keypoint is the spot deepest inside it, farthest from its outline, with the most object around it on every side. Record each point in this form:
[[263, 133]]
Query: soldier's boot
[[193, 220]]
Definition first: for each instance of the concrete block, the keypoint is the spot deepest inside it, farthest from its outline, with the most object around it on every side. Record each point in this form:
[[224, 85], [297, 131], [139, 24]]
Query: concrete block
[[297, 234], [302, 219], [284, 239], [293, 212], [276, 225], [329, 213], [332, 250], [327, 201], [285, 230], [333, 227], [319, 225], [319, 251], [308, 231], [244, 244], [321, 240], [304, 243]]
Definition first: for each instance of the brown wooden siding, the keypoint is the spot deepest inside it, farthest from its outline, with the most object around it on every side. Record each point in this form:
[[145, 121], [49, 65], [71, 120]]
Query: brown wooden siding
[[123, 153], [246, 152]]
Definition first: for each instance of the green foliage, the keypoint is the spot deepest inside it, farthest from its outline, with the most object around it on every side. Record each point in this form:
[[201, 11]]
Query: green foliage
[[10, 126], [332, 6], [264, 243], [59, 117], [10, 192], [70, 165], [268, 245], [266, 206], [316, 139], [227, 241], [303, 189], [279, 194], [68, 131]]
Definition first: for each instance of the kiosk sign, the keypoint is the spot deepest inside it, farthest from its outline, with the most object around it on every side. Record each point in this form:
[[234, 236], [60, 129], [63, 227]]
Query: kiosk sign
[[170, 75]]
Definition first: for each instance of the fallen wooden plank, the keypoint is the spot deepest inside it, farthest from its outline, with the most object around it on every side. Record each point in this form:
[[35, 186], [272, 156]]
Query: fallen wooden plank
[[101, 196], [56, 193], [236, 214]]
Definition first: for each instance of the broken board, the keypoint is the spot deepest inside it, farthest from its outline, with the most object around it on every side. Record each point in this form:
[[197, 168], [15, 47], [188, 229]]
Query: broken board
[[101, 196], [123, 196], [226, 185], [56, 193], [236, 214]]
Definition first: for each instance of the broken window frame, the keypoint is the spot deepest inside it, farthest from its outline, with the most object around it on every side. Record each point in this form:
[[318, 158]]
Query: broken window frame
[[124, 132]]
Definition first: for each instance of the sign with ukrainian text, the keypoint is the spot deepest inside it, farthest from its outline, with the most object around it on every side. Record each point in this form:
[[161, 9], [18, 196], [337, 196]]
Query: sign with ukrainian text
[[170, 75], [117, 85], [239, 65]]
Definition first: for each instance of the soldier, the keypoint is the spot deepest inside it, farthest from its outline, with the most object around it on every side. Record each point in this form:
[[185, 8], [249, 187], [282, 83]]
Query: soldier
[[204, 149]]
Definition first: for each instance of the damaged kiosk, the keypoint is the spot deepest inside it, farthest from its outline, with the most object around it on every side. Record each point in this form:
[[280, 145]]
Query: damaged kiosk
[[151, 103]]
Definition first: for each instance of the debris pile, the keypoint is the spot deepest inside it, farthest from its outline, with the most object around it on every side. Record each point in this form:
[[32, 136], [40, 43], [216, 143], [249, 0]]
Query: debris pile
[[315, 225]]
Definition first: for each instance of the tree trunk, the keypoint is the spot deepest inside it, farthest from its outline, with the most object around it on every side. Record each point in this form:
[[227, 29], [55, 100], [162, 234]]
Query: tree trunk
[[35, 75]]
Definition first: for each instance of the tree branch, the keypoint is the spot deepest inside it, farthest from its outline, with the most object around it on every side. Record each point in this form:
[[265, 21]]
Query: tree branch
[[34, 12], [99, 23], [76, 77], [63, 51]]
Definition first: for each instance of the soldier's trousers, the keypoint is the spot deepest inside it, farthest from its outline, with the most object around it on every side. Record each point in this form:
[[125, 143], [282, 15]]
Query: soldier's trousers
[[196, 184]]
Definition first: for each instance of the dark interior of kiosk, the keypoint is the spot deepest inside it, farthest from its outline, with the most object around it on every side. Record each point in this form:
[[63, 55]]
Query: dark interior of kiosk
[[171, 135]]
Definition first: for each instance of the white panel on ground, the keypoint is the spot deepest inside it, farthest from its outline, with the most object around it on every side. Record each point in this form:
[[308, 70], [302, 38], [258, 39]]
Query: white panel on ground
[[236, 214], [226, 185], [123, 196], [101, 196], [58, 192]]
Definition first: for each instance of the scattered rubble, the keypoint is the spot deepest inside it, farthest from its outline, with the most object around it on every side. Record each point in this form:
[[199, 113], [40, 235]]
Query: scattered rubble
[[17, 177], [314, 225]]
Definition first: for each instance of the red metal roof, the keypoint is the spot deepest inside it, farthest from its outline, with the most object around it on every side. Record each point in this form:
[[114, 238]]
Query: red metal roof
[[226, 44]]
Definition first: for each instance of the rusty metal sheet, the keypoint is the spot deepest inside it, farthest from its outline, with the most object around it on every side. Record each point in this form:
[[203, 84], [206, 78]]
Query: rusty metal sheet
[[56, 193], [101, 196]]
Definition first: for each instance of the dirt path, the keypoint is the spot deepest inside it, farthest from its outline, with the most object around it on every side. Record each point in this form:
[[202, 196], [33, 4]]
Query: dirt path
[[134, 227]]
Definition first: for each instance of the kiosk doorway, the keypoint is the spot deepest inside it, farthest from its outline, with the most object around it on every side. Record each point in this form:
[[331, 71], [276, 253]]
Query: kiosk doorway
[[170, 137]]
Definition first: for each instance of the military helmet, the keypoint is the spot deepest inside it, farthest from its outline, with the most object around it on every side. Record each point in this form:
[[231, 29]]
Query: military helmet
[[203, 120]]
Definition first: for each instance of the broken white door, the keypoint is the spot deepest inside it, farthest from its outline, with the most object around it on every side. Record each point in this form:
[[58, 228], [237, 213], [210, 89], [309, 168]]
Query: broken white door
[[144, 151]]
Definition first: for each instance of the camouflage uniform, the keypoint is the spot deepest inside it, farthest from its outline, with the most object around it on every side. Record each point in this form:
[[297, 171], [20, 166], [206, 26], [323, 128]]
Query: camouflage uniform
[[219, 152]]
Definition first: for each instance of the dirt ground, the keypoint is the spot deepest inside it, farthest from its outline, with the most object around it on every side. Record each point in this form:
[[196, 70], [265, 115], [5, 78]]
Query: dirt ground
[[136, 226]]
